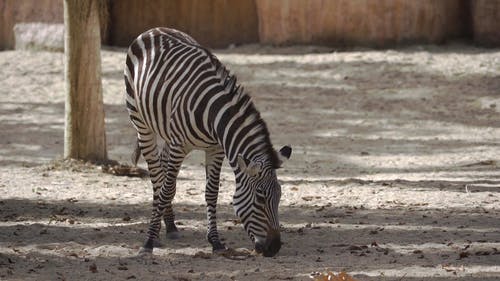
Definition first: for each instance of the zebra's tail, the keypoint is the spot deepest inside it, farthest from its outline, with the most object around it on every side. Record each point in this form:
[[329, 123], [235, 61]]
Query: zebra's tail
[[136, 153]]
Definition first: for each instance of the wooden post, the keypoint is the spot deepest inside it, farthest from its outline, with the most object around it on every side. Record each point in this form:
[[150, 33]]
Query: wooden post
[[84, 135]]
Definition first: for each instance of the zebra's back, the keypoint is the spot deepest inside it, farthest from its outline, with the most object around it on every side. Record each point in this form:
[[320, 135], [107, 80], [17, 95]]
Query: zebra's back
[[170, 81]]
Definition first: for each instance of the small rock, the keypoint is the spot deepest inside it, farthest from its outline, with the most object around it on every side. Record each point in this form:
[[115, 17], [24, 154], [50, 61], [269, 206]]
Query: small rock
[[354, 248], [482, 253], [463, 255], [93, 268]]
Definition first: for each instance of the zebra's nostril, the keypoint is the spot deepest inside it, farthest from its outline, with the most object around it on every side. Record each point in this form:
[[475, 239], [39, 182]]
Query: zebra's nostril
[[259, 248]]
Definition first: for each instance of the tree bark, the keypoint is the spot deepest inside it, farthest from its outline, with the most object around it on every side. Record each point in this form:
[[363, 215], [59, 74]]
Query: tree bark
[[84, 135]]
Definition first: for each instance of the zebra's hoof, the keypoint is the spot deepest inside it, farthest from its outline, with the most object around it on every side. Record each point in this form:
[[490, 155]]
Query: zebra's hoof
[[173, 235], [157, 243], [219, 251], [219, 248]]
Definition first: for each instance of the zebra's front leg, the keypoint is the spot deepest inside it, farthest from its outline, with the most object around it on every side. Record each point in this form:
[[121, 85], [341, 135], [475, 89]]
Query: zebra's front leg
[[172, 232], [213, 163], [165, 196], [146, 141]]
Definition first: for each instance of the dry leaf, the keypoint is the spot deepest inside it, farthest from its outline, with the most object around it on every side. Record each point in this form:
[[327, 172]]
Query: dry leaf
[[345, 277], [238, 254], [330, 276], [202, 255], [125, 170], [451, 268]]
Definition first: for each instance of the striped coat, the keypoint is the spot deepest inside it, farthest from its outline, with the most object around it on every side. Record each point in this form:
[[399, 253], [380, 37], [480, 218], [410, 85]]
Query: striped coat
[[179, 93]]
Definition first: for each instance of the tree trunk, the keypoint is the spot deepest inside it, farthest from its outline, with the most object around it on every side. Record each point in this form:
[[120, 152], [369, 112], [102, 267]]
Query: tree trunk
[[84, 135]]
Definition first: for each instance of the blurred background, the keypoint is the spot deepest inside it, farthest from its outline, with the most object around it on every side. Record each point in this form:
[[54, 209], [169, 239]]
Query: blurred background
[[223, 23]]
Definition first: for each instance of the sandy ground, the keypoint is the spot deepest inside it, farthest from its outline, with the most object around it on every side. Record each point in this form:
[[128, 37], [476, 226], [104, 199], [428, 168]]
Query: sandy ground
[[394, 176]]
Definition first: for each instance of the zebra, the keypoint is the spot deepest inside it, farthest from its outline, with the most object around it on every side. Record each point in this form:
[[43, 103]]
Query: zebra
[[179, 93]]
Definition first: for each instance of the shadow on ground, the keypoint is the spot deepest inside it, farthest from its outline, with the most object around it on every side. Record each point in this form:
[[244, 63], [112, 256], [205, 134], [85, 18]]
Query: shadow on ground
[[319, 236]]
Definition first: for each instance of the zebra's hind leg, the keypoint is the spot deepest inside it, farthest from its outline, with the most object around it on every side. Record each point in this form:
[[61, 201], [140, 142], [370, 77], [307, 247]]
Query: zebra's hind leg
[[172, 232], [213, 163], [165, 196]]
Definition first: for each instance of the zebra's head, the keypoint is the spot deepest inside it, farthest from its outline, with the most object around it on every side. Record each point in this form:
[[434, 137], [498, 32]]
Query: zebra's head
[[256, 203]]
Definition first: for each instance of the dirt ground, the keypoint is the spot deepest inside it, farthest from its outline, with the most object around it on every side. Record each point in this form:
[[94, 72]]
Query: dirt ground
[[395, 171]]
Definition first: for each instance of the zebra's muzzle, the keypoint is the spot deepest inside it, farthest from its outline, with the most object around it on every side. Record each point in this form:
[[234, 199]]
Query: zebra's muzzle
[[270, 246]]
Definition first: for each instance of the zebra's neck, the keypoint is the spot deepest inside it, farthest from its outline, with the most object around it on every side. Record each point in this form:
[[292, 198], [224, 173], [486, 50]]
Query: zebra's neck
[[240, 128]]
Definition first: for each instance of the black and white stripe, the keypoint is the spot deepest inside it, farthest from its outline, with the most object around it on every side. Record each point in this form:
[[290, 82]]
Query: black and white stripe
[[179, 92]]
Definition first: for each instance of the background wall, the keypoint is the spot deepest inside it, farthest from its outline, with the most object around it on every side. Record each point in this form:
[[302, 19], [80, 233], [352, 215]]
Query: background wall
[[219, 23], [361, 22], [486, 22], [216, 23]]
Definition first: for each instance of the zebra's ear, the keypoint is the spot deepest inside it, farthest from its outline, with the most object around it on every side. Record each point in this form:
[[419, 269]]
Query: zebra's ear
[[252, 169], [284, 154]]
